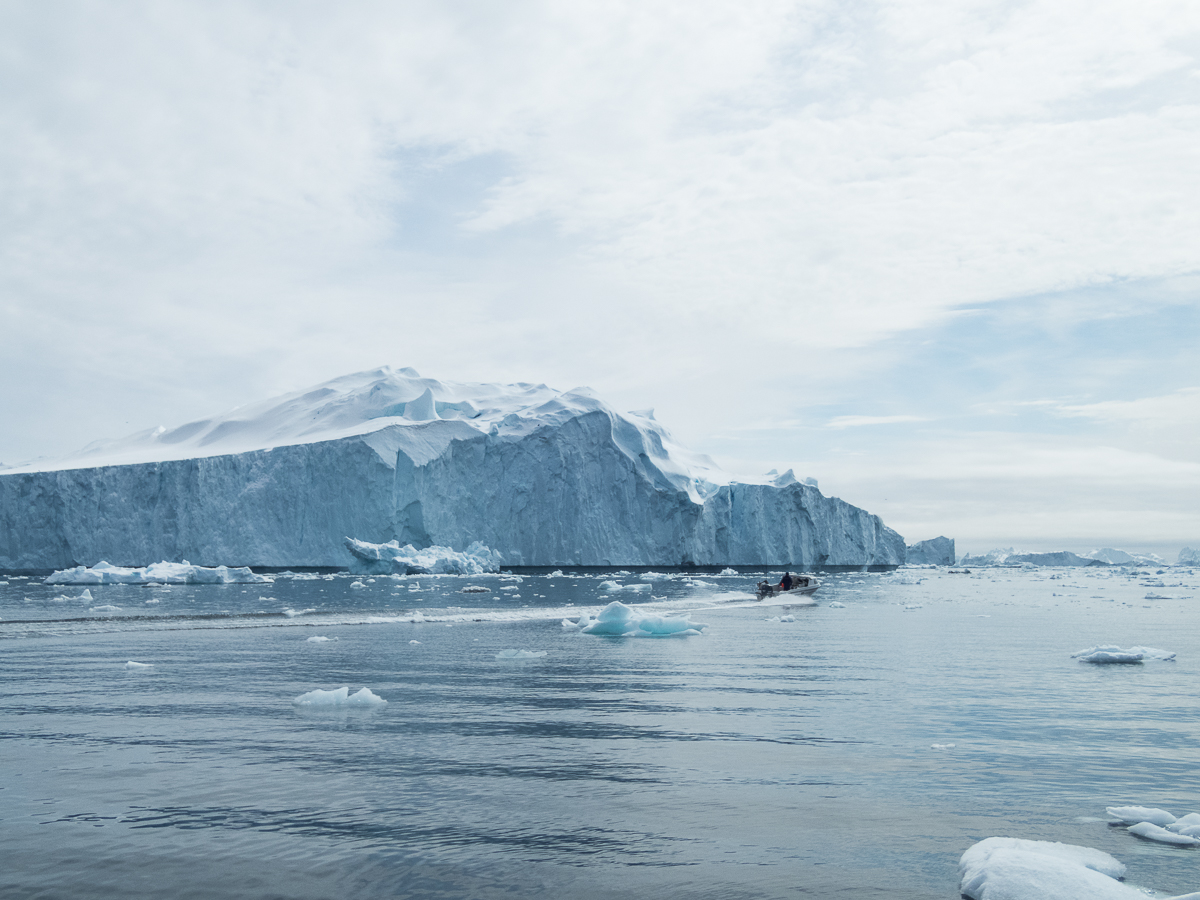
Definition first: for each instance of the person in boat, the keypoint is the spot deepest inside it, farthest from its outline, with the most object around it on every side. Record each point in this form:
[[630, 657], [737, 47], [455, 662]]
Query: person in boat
[[765, 589], [786, 583]]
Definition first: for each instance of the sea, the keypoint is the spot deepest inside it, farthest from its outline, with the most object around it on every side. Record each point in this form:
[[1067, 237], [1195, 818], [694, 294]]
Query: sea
[[854, 748]]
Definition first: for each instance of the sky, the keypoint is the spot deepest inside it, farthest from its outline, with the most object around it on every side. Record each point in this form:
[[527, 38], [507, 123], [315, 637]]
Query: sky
[[943, 257]]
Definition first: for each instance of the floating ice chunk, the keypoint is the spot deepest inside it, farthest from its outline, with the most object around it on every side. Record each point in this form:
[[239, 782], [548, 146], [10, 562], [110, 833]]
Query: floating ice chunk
[[557, 573], [837, 604], [357, 584], [137, 665], [1108, 654], [85, 597], [1153, 832], [1133, 815], [107, 607], [153, 600], [617, 619], [520, 654], [1012, 869], [1185, 824], [158, 573], [909, 606], [728, 572], [318, 639], [941, 746], [415, 643], [787, 618], [614, 587], [339, 697], [475, 589], [391, 558]]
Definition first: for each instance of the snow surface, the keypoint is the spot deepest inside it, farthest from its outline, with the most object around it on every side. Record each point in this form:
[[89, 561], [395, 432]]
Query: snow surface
[[619, 620], [1001, 868], [542, 477], [158, 573], [339, 697]]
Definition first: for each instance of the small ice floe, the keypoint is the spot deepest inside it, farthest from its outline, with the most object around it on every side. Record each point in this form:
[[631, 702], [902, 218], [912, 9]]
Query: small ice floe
[[837, 604], [1112, 654], [510, 587], [1153, 596], [941, 746], [557, 573], [158, 573], [415, 643], [475, 589], [1001, 867], [1154, 833], [728, 572], [1134, 815], [357, 584], [292, 613], [137, 666], [339, 697], [107, 607], [613, 587], [319, 639], [618, 620], [908, 606], [152, 600], [787, 618], [520, 654], [514, 578]]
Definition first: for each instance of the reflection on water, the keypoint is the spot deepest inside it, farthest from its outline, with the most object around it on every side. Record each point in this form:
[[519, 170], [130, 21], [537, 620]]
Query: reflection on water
[[762, 759]]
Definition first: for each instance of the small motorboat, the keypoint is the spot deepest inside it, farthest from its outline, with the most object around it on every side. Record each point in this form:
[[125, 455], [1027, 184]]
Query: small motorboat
[[802, 586]]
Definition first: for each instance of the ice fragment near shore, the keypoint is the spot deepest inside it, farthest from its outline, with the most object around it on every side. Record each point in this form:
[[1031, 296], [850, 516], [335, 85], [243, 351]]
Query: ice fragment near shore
[[1132, 815], [339, 697], [1153, 832], [1000, 868], [158, 573]]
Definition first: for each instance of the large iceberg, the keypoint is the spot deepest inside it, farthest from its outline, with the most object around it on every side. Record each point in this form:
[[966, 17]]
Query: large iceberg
[[1011, 557], [938, 551], [1188, 557], [392, 559], [540, 476]]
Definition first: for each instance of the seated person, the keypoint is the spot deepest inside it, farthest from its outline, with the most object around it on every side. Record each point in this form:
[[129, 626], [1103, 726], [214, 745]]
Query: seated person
[[786, 583]]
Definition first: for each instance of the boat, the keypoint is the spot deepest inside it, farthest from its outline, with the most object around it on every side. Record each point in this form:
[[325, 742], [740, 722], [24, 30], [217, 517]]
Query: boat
[[803, 586]]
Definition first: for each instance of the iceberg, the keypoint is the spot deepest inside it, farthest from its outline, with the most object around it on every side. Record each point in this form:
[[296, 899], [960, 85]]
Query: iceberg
[[1001, 868], [938, 551], [158, 573], [619, 620], [392, 559], [539, 476], [1011, 557], [1111, 653], [520, 654], [338, 698], [1134, 815], [1188, 557]]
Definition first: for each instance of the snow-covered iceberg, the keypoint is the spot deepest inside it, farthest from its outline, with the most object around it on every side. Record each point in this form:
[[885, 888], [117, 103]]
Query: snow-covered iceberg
[[1000, 868], [541, 476], [392, 559], [158, 573], [339, 697]]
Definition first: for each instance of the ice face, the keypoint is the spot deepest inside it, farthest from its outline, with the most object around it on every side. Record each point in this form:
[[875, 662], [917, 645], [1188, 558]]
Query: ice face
[[540, 477]]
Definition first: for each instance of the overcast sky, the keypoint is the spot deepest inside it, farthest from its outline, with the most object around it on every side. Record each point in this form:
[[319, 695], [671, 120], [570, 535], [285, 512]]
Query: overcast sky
[[941, 256]]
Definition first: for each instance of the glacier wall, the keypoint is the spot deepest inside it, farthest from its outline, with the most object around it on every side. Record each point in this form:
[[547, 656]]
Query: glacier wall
[[563, 492]]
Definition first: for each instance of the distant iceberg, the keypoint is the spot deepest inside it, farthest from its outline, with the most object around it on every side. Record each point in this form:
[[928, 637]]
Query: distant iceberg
[[938, 551], [158, 573], [1011, 557], [541, 476], [1188, 557]]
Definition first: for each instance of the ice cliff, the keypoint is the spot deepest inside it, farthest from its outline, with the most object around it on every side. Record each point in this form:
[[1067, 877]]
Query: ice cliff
[[543, 477]]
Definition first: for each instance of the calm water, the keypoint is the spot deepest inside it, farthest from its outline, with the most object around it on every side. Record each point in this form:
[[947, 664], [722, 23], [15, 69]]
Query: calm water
[[761, 759]]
